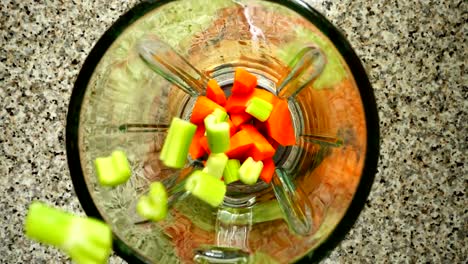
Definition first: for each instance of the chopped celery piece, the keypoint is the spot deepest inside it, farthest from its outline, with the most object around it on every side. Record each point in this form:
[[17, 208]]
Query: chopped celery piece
[[217, 134], [250, 170], [221, 116], [145, 208], [85, 240], [217, 131], [210, 120], [157, 193], [231, 171], [47, 225], [218, 137], [206, 188], [154, 205], [121, 164], [259, 108], [105, 170], [169, 136], [114, 169], [215, 164], [176, 146], [93, 247]]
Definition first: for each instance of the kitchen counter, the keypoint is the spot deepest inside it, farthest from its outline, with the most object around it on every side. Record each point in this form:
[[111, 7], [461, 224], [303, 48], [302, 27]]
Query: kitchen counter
[[414, 52]]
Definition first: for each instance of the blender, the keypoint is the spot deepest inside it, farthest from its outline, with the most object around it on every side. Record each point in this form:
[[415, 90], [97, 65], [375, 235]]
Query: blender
[[150, 67]]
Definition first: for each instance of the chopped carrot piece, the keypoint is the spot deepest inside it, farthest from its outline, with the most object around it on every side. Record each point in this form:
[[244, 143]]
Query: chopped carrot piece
[[279, 124], [240, 145], [237, 103], [240, 118], [202, 108], [268, 170], [215, 93], [244, 82], [262, 148], [204, 144], [232, 127], [196, 150], [265, 95]]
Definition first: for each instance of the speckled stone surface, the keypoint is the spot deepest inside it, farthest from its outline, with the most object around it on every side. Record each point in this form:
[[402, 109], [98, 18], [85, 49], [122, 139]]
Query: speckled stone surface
[[415, 53]]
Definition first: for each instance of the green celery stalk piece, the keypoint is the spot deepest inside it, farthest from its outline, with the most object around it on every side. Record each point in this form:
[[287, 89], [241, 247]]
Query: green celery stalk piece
[[86, 240], [206, 188], [90, 241], [210, 119], [158, 193], [250, 170], [145, 207], [218, 137], [121, 167], [231, 171], [221, 116], [154, 205], [217, 131], [47, 225], [105, 170], [169, 136], [259, 108], [177, 144], [114, 169], [158, 197], [215, 164]]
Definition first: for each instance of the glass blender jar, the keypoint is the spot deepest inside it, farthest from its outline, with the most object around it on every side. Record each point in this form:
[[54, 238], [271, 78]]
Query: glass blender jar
[[321, 183]]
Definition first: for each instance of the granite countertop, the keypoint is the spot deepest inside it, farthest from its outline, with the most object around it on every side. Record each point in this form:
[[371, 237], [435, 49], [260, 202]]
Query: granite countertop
[[414, 52]]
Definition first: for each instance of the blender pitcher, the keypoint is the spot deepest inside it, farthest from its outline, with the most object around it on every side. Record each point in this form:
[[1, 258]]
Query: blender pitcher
[[151, 65]]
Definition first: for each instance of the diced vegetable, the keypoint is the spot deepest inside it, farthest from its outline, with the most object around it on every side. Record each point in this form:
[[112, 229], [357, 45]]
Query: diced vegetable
[[169, 138], [280, 126], [177, 143], [85, 240], [237, 103], [154, 205], [240, 145], [215, 165], [250, 170], [204, 144], [268, 170], [244, 82], [262, 148], [206, 188], [203, 107], [221, 115], [215, 93], [114, 169], [265, 95], [231, 171], [259, 108], [232, 127], [47, 225], [196, 149], [240, 118], [217, 133]]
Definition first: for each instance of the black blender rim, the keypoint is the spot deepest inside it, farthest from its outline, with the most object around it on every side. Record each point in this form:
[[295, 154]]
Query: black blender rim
[[306, 11]]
